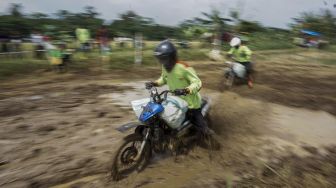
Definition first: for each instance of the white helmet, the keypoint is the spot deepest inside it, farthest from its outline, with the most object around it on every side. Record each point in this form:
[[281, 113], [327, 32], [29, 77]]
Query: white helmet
[[235, 42]]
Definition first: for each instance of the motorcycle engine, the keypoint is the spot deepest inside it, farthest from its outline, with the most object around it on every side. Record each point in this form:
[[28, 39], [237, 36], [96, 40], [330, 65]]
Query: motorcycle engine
[[158, 140]]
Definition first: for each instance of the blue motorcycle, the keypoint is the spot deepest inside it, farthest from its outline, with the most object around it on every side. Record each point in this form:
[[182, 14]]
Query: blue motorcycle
[[153, 134]]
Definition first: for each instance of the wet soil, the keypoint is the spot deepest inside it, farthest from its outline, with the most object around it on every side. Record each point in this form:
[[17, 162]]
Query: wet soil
[[58, 130]]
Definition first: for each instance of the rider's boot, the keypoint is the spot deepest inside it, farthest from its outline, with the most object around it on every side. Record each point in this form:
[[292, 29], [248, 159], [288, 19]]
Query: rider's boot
[[250, 84], [250, 81]]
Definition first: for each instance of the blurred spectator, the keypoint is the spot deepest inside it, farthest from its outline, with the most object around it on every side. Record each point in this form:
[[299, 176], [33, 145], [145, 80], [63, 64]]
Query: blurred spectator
[[37, 39], [226, 37], [65, 57], [16, 42], [4, 44], [83, 37], [102, 38]]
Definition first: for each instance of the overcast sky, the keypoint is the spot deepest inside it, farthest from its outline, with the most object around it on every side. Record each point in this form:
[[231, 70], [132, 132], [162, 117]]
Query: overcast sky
[[275, 13]]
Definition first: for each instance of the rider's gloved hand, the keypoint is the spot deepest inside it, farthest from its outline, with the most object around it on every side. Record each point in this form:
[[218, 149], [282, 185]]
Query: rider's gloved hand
[[149, 85], [179, 92]]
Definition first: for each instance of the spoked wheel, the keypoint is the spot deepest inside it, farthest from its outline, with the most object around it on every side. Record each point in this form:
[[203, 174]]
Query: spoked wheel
[[229, 80], [128, 158]]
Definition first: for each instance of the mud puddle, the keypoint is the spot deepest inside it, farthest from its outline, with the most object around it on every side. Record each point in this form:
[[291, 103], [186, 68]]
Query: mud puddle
[[297, 128]]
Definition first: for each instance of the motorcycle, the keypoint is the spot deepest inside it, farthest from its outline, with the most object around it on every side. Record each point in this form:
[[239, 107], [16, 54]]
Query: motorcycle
[[155, 131], [233, 73]]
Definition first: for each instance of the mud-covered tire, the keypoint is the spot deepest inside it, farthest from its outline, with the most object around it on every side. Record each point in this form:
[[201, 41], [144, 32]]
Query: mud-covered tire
[[116, 172], [209, 142], [226, 82], [213, 143], [229, 81]]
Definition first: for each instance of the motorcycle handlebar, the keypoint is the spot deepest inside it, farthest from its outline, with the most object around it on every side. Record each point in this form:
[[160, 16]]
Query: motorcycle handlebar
[[158, 96]]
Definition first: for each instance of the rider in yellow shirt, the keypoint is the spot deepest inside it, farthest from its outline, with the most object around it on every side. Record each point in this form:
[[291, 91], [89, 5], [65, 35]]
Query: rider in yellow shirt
[[183, 80], [242, 54]]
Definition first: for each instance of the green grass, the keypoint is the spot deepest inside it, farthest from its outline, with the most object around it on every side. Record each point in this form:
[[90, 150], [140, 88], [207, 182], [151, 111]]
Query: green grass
[[331, 48], [270, 41], [328, 61], [125, 59], [9, 67]]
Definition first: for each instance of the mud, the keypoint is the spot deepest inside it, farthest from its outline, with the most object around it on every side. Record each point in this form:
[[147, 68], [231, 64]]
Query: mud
[[59, 130], [291, 79]]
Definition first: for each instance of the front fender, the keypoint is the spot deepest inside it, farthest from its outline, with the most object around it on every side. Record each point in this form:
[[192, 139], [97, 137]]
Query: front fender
[[125, 127]]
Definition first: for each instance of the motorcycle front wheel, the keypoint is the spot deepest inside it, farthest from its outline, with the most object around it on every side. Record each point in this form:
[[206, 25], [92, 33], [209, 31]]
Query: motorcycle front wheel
[[229, 80], [126, 159]]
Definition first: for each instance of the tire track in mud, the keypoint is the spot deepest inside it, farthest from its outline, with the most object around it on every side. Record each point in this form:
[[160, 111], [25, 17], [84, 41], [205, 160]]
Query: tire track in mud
[[36, 134]]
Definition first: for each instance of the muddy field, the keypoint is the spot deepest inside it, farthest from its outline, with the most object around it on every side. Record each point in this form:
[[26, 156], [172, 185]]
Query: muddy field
[[58, 130]]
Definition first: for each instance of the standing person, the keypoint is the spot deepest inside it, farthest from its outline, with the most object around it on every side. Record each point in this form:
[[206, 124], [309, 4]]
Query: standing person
[[83, 37], [183, 80], [242, 54], [4, 40], [102, 38], [37, 39], [17, 41]]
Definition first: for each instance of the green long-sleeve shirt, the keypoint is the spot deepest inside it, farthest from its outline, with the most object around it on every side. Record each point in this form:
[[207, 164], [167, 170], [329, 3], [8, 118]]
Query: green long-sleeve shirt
[[182, 76], [83, 35], [242, 54]]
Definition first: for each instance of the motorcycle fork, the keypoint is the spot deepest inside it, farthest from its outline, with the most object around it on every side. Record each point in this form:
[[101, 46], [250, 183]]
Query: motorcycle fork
[[143, 144]]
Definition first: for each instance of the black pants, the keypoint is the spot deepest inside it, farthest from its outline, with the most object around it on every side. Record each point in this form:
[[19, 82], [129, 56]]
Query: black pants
[[196, 118]]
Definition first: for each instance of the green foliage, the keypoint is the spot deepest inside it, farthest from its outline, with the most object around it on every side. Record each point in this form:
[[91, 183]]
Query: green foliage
[[17, 24], [214, 20], [250, 27], [331, 48], [235, 14], [325, 23], [9, 67], [130, 23], [14, 26], [209, 22], [270, 40], [16, 10], [329, 61], [193, 32]]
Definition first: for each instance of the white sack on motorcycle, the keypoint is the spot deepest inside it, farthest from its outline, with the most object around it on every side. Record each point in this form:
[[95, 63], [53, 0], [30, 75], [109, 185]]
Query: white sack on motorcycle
[[174, 112]]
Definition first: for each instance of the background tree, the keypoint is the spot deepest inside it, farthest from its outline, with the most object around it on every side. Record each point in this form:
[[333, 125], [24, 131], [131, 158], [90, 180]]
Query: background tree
[[16, 10], [324, 22], [130, 23], [214, 20]]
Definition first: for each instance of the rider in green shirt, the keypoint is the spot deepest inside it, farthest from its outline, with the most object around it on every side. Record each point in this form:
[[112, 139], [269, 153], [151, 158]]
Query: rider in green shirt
[[242, 54], [182, 79]]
